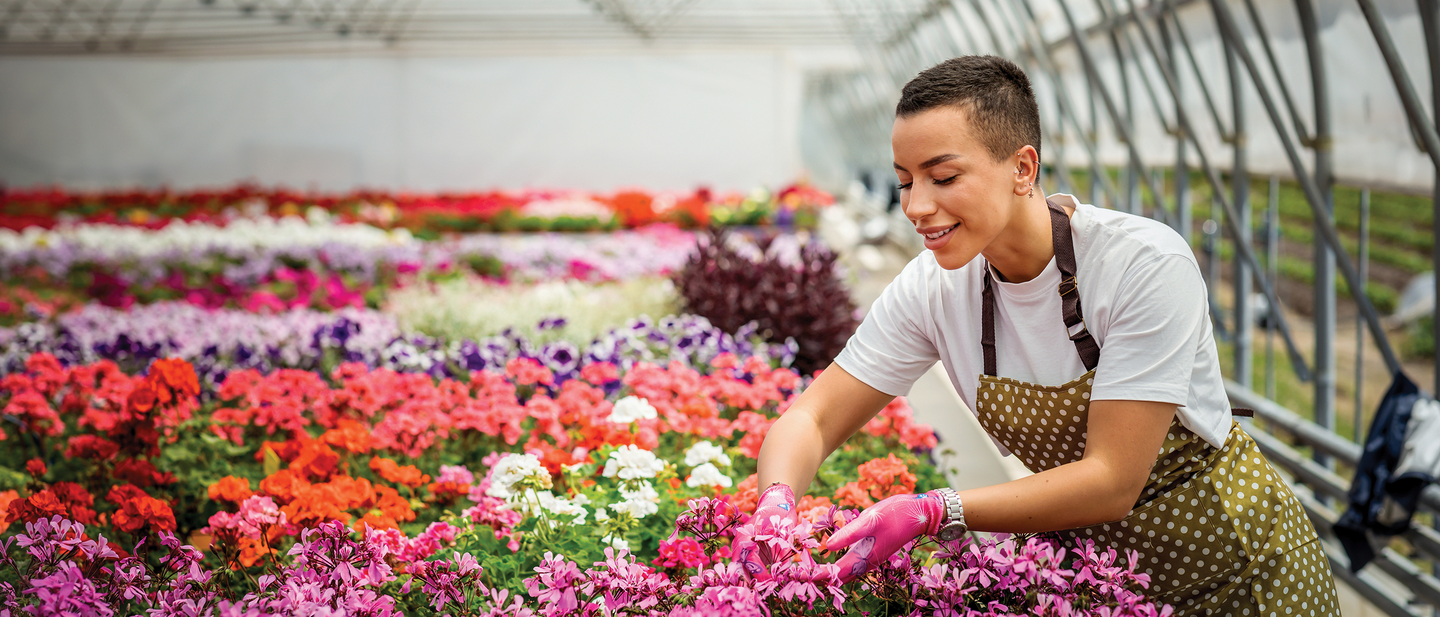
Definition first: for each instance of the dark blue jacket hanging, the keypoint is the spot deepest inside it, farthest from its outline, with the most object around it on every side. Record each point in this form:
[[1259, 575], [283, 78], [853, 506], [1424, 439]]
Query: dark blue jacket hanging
[[1375, 480]]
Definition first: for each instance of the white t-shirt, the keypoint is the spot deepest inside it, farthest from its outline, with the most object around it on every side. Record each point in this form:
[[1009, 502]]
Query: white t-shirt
[[1142, 297]]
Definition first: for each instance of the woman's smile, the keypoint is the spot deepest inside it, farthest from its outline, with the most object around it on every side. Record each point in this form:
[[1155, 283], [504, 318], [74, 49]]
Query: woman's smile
[[935, 238]]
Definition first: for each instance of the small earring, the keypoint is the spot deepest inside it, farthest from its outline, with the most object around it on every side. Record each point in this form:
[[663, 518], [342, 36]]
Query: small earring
[[1032, 189]]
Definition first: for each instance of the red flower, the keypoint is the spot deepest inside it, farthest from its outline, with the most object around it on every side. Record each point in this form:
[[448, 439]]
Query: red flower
[[142, 473], [61, 498], [138, 510], [600, 373], [91, 447], [36, 467], [525, 371], [142, 399]]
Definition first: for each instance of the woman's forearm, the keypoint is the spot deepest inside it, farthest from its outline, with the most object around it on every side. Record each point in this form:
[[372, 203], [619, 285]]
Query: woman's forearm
[[792, 453], [1123, 439], [1079, 494], [826, 414]]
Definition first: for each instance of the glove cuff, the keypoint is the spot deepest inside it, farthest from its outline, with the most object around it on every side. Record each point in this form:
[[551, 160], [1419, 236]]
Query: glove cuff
[[935, 511]]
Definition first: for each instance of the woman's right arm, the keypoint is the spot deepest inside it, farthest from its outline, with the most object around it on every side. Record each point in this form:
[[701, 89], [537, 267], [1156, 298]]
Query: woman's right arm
[[825, 415]]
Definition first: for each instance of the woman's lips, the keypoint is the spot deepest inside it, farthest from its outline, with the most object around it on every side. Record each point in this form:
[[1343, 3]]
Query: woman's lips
[[937, 239]]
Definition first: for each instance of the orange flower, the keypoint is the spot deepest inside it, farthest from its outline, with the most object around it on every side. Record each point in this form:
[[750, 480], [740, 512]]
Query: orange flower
[[252, 550], [284, 485], [375, 520], [747, 494], [852, 495], [813, 509], [173, 378], [232, 489], [349, 435], [883, 477], [6, 498], [408, 475], [316, 460], [389, 503], [316, 504]]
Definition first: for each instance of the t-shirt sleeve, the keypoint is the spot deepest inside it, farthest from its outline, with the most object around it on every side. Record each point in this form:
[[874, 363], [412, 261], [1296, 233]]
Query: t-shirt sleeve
[[1159, 318], [891, 348]]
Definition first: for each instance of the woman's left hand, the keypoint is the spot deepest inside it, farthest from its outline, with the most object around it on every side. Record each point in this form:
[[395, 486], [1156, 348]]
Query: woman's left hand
[[883, 529]]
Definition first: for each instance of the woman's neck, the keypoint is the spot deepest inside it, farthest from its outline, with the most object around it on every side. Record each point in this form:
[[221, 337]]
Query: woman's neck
[[1025, 247]]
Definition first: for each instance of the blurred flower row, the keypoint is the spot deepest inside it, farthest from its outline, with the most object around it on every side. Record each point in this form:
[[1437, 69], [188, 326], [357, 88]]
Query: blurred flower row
[[279, 264], [424, 214]]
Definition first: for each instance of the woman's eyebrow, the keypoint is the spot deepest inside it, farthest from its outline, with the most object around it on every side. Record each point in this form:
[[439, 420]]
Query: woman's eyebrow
[[935, 160]]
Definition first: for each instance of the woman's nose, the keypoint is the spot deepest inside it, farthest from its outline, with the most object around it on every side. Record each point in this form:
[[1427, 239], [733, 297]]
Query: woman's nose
[[917, 205]]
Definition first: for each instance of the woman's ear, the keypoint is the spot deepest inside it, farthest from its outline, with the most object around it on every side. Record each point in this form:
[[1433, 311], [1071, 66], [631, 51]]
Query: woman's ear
[[1027, 170]]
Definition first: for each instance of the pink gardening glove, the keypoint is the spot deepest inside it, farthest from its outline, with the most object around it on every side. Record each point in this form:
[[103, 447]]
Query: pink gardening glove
[[883, 528], [776, 501]]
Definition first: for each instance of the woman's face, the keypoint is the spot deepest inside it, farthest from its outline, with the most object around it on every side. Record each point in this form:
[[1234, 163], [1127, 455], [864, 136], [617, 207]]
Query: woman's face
[[957, 195]]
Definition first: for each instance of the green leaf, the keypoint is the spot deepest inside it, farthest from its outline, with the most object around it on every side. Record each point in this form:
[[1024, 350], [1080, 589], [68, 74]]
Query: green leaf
[[272, 462]]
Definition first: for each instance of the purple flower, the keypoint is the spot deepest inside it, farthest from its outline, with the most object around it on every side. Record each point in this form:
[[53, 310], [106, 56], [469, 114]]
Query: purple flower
[[67, 592]]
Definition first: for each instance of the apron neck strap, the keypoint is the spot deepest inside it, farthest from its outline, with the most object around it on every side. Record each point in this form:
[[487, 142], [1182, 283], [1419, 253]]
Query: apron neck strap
[[1085, 344]]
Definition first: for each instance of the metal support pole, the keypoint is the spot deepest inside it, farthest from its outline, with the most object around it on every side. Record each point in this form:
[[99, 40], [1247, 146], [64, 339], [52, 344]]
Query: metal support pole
[[1313, 195], [1132, 167], [1244, 251], [1033, 44], [1125, 134], [1272, 264], [1359, 320], [1240, 185], [1199, 77], [1183, 220], [1324, 312], [1097, 172], [1430, 20]]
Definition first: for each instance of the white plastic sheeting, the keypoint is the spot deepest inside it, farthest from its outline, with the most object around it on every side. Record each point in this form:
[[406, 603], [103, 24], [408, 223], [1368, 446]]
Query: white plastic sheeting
[[1372, 141], [671, 121]]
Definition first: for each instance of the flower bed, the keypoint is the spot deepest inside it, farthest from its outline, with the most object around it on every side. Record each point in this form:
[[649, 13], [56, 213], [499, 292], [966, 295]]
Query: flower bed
[[284, 264], [378, 493], [217, 342], [572, 311], [424, 214]]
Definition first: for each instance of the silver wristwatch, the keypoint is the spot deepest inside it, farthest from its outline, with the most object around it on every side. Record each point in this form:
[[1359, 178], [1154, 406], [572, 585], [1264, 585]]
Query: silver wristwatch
[[953, 526]]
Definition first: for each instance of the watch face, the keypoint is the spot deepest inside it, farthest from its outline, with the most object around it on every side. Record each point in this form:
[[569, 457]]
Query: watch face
[[951, 532]]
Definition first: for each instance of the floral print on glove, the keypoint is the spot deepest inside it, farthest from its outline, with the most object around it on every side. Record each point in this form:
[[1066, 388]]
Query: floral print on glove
[[776, 507]]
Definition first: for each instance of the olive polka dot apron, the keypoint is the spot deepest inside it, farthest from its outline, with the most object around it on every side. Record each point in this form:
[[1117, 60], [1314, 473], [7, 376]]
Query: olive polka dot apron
[[1217, 529]]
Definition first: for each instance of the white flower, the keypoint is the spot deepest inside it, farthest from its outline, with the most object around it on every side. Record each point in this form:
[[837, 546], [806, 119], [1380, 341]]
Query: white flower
[[640, 502], [514, 469], [601, 516], [618, 543], [631, 463], [630, 409], [708, 475], [706, 452], [534, 503]]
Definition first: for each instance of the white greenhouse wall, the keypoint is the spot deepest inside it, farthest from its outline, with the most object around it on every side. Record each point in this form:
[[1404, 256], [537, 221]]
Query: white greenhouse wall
[[669, 121]]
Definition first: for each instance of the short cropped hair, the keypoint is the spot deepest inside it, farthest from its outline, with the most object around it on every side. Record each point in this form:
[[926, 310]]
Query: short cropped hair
[[993, 91]]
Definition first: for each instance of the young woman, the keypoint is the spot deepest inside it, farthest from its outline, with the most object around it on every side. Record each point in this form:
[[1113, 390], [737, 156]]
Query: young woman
[[1081, 339]]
